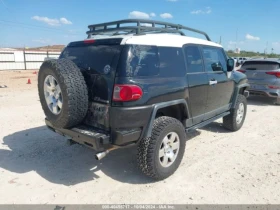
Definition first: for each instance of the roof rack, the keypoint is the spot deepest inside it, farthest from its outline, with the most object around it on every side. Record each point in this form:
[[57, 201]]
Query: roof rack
[[139, 26]]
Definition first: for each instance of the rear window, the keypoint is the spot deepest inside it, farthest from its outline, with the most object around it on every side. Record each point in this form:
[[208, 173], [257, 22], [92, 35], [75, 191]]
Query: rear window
[[149, 61], [95, 58], [260, 65]]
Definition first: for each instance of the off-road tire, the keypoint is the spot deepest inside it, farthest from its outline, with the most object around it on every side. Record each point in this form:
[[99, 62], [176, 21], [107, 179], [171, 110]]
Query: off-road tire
[[229, 121], [73, 89], [148, 148]]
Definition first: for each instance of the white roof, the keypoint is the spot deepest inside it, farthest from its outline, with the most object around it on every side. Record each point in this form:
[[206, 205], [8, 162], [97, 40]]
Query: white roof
[[164, 40], [167, 40]]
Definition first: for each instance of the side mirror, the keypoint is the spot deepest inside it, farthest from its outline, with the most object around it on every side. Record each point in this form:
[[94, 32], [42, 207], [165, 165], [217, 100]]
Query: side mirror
[[230, 64], [216, 67]]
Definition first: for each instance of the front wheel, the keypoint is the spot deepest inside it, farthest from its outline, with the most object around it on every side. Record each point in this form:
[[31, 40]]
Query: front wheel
[[160, 155], [235, 119]]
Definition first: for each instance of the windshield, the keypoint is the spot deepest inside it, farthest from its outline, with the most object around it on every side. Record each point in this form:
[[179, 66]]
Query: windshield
[[94, 58]]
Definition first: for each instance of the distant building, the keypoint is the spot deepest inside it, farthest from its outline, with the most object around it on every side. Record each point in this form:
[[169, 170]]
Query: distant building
[[50, 48], [7, 49], [237, 50]]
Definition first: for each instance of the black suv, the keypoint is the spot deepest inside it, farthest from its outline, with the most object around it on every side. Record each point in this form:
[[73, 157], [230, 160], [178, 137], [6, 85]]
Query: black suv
[[141, 82]]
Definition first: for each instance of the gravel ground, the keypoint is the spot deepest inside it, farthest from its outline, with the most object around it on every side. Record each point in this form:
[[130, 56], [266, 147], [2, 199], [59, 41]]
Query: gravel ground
[[36, 165]]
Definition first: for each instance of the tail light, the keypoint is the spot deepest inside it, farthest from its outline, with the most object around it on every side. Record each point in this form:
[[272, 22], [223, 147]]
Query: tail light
[[127, 93], [241, 70], [273, 87], [274, 73]]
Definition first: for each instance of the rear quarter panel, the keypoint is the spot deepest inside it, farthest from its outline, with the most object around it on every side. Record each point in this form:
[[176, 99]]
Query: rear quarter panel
[[155, 89]]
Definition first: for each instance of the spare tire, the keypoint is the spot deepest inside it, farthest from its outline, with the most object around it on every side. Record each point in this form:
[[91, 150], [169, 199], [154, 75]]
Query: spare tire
[[63, 92]]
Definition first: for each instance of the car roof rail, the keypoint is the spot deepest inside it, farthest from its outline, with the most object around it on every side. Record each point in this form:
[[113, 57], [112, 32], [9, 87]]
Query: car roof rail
[[139, 27]]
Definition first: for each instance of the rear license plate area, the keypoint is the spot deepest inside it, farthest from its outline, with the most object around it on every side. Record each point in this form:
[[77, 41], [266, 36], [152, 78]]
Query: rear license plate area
[[257, 87]]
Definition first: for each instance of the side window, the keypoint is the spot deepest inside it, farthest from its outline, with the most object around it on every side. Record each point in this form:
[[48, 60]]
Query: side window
[[146, 60], [139, 60], [193, 59], [214, 59], [171, 62]]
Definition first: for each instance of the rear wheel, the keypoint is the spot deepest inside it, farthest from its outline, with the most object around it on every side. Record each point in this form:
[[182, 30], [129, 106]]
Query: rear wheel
[[160, 155], [53, 94], [235, 119]]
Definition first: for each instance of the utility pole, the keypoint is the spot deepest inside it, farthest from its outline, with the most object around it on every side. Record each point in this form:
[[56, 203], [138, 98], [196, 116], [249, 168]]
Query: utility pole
[[236, 38], [24, 58]]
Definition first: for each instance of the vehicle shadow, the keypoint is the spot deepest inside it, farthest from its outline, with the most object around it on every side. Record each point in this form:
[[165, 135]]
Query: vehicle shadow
[[252, 100], [38, 149], [260, 101], [215, 127]]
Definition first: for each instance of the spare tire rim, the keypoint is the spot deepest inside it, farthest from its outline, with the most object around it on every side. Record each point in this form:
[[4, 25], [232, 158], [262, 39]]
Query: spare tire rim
[[53, 94], [240, 113], [169, 149]]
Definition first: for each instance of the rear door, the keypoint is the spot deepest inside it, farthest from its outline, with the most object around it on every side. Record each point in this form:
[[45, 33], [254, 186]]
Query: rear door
[[220, 86], [198, 82], [260, 73], [97, 60]]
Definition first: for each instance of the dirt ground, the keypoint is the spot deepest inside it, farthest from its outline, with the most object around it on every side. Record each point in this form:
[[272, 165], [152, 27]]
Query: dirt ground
[[37, 166]]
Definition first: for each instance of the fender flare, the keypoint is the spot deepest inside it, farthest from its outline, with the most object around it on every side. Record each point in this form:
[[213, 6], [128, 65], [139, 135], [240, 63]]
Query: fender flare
[[236, 92], [148, 130]]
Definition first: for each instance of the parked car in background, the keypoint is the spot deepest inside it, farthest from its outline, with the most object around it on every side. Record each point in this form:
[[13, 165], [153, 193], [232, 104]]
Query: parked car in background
[[240, 60], [264, 77], [236, 64]]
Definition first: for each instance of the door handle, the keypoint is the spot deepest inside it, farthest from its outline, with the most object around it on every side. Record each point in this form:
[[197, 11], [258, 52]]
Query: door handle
[[213, 82]]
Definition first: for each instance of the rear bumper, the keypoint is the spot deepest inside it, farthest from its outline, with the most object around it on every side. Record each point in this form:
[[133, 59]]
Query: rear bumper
[[98, 139], [267, 93], [84, 135]]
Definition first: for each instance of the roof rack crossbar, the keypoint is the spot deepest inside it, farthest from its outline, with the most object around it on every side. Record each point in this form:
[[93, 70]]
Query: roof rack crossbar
[[135, 30], [140, 26]]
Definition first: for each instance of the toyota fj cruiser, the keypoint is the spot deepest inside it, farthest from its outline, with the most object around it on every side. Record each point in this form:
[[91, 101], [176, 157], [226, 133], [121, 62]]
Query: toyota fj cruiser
[[141, 82]]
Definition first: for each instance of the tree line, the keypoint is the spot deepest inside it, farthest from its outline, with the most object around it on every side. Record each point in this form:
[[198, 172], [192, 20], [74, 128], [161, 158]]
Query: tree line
[[243, 53]]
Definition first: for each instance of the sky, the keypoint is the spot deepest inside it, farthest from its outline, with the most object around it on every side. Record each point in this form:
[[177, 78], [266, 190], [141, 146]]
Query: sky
[[251, 25]]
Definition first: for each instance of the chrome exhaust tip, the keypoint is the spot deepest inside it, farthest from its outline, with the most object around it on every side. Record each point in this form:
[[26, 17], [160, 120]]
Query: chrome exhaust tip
[[101, 155]]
